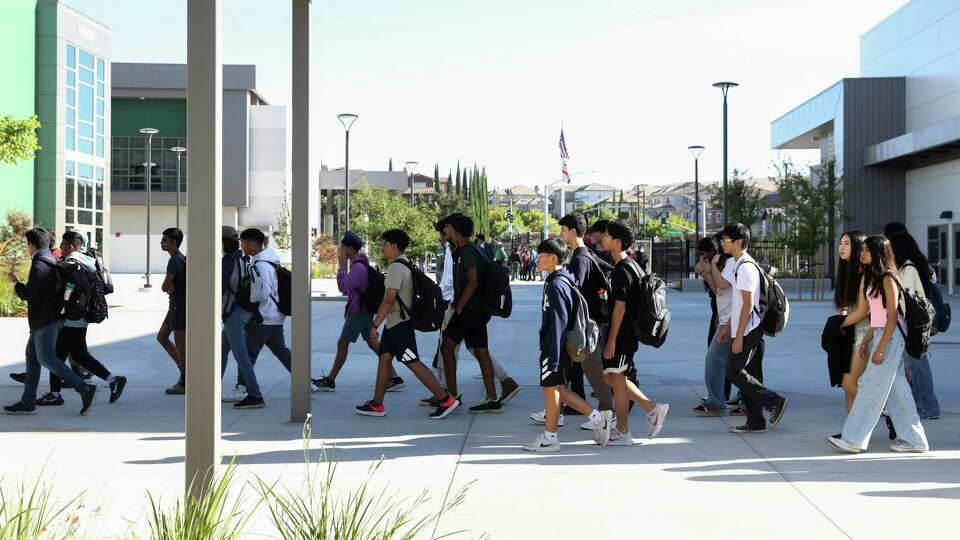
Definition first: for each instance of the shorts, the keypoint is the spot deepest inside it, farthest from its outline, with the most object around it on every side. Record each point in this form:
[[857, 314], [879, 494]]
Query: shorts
[[176, 317], [400, 342], [356, 326], [622, 363], [555, 378], [469, 327]]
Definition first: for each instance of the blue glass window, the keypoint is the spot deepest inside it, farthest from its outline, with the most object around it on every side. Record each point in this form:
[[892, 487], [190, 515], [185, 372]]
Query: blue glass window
[[86, 130], [71, 56], [101, 70], [71, 138], [99, 146], [100, 174], [86, 59], [71, 78], [69, 167], [86, 103], [85, 171], [100, 89], [100, 107], [71, 117], [85, 146], [71, 196], [100, 126], [86, 76], [71, 98]]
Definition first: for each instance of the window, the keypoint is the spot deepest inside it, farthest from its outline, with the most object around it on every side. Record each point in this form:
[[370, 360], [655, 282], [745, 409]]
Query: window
[[70, 191], [86, 59], [101, 69], [129, 154], [86, 90], [86, 103], [71, 56]]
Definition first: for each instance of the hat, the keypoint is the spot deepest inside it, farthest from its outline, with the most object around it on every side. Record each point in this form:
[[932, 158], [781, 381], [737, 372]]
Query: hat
[[352, 240], [227, 231]]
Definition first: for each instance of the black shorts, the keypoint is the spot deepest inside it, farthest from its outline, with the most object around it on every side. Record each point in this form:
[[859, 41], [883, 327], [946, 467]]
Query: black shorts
[[555, 378], [469, 327], [176, 317], [622, 363], [400, 342]]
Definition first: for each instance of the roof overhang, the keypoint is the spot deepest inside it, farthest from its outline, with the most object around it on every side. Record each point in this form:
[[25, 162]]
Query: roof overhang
[[806, 124], [920, 148]]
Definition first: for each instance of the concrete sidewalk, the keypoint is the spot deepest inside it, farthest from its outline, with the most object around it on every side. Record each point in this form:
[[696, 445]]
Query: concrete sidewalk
[[694, 481]]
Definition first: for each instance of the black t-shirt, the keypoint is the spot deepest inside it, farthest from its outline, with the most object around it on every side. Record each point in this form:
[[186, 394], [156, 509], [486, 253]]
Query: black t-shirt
[[177, 266], [464, 259], [623, 280], [585, 272]]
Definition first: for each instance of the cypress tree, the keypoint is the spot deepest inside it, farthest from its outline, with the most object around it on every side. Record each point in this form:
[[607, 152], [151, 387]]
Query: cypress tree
[[459, 181], [436, 177], [390, 165], [449, 180]]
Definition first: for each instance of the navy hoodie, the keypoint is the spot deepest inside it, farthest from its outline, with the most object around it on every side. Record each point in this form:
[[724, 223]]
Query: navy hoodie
[[556, 306]]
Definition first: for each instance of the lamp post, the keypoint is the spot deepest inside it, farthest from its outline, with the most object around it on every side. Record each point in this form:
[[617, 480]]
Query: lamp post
[[411, 167], [148, 184], [696, 151], [347, 119], [725, 87], [179, 150]]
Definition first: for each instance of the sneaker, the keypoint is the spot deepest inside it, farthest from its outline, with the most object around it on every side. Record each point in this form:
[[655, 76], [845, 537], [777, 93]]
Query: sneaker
[[19, 377], [620, 439], [395, 384], [433, 402], [20, 408], [776, 413], [702, 410], [601, 431], [738, 411], [87, 396], [748, 429], [844, 445], [445, 407], [176, 390], [250, 402], [369, 409], [540, 444], [234, 395], [116, 388], [655, 418], [588, 425], [541, 418], [313, 388], [891, 431], [49, 399], [508, 390], [325, 384], [492, 406], [734, 401], [904, 448]]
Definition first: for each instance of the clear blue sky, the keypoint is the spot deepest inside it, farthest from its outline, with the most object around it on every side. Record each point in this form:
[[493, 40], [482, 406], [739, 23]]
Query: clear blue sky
[[490, 81]]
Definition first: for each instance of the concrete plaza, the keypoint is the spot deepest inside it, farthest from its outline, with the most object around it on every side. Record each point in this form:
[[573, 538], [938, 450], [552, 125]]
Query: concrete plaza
[[694, 481]]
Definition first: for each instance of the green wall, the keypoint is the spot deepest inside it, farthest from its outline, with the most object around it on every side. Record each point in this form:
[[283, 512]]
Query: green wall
[[167, 115], [17, 95]]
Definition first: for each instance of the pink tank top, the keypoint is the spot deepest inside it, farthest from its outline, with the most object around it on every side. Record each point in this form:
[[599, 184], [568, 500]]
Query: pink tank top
[[878, 312]]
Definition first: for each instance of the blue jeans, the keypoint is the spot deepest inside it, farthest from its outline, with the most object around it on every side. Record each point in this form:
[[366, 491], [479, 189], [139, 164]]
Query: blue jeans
[[921, 384], [42, 351], [233, 337], [715, 372], [882, 386]]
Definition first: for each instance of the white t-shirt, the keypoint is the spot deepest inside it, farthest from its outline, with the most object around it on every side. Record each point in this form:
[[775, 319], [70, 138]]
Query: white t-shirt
[[747, 279], [446, 279], [910, 277], [725, 296]]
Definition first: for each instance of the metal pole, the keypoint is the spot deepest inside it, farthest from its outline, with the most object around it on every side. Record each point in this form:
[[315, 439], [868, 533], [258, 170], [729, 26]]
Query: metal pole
[[696, 196], [725, 156], [346, 180], [411, 189], [178, 190], [563, 203], [546, 206], [149, 185], [204, 131]]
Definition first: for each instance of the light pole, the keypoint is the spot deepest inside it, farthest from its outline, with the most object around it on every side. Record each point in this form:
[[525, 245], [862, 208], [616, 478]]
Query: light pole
[[347, 119], [148, 184], [179, 150], [696, 151], [725, 87], [411, 167]]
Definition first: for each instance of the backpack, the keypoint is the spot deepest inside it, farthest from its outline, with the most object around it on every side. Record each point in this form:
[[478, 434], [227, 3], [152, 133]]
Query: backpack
[[652, 319], [102, 271], [76, 280], [371, 298], [97, 310], [284, 288], [941, 320], [241, 296], [494, 287], [774, 309], [428, 306], [582, 339], [600, 278], [918, 313]]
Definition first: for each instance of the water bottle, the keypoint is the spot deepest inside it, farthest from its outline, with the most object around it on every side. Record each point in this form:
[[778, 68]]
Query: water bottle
[[68, 292]]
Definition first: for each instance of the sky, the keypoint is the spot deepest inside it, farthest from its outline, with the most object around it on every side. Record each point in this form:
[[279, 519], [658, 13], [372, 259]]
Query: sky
[[491, 81]]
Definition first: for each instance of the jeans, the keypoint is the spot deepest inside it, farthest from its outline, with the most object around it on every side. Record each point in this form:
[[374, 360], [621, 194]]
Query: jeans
[[42, 351], [755, 396], [715, 373], [73, 341], [882, 386], [270, 335], [233, 337], [921, 384]]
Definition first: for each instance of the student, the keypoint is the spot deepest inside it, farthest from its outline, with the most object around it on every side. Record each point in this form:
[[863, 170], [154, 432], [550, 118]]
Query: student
[[399, 336], [883, 383], [748, 336], [707, 251], [44, 304], [717, 274], [594, 240], [557, 308], [72, 340], [587, 271], [846, 299], [622, 341], [509, 387], [501, 256], [515, 265], [353, 280], [915, 275], [469, 322], [175, 322]]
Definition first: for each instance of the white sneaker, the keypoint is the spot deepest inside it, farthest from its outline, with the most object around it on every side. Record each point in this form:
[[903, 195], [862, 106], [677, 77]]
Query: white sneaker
[[844, 445], [314, 388], [540, 444], [588, 425], [655, 418], [620, 439], [904, 448], [541, 418], [234, 395], [601, 431]]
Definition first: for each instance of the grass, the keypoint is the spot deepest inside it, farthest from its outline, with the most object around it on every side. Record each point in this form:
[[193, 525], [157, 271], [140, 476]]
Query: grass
[[30, 512], [323, 270]]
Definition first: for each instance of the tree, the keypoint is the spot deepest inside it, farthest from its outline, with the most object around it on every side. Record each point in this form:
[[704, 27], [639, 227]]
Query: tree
[[743, 199], [282, 237], [449, 180], [378, 210], [18, 138], [13, 246], [459, 190], [677, 225], [436, 177], [654, 229], [497, 222], [390, 165]]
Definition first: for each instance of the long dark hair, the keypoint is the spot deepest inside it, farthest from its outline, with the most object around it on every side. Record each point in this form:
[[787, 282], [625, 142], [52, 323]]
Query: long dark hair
[[849, 273], [882, 264], [905, 248]]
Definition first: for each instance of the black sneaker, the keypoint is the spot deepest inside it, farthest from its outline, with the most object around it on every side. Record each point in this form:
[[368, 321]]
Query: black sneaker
[[488, 406], [433, 402], [446, 406], [88, 396], [116, 388], [20, 408], [369, 409], [748, 429], [395, 384], [50, 399], [249, 402], [19, 377], [891, 431], [326, 384], [776, 413]]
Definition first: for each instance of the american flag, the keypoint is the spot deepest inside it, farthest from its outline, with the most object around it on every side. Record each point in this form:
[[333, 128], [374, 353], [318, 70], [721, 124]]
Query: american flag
[[564, 156]]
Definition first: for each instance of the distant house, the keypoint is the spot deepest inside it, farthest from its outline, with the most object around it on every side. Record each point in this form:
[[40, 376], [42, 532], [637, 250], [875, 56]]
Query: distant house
[[524, 198]]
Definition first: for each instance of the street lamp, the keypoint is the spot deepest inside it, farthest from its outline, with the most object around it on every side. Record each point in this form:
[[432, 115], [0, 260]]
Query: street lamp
[[696, 151], [179, 150], [148, 184], [411, 167], [347, 119], [725, 87]]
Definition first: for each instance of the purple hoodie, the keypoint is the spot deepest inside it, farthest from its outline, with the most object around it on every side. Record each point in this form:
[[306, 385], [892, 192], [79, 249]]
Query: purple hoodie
[[353, 284]]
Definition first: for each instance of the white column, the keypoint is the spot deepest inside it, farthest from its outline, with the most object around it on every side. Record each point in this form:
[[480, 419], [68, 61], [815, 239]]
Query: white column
[[204, 114], [300, 249]]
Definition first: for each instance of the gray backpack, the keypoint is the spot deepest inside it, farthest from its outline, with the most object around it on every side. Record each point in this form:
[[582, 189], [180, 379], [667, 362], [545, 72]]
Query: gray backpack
[[584, 334]]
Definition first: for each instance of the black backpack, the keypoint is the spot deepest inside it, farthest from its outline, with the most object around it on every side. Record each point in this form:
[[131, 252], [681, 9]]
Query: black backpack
[[494, 287], [774, 309], [918, 313], [284, 289], [372, 297], [941, 320], [600, 280], [428, 306], [102, 271], [77, 280], [97, 310], [241, 296], [651, 321]]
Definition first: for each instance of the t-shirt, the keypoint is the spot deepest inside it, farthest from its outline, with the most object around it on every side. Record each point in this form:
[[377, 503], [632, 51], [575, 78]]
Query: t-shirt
[[466, 258], [399, 277], [584, 273], [177, 267], [623, 281], [747, 279], [725, 296]]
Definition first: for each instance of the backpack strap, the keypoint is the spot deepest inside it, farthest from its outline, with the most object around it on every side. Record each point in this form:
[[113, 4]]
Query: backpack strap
[[574, 291], [404, 310], [763, 275]]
